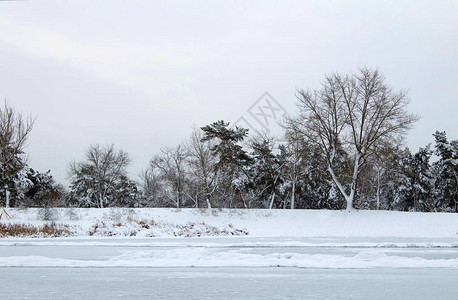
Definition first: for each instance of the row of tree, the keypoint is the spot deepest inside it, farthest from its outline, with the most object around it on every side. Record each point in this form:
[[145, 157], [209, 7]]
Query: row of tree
[[340, 151], [215, 168]]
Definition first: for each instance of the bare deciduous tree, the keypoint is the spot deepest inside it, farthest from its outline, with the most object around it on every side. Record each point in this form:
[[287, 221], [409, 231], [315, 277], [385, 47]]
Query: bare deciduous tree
[[352, 112], [172, 168], [151, 183], [14, 131], [202, 162], [107, 164]]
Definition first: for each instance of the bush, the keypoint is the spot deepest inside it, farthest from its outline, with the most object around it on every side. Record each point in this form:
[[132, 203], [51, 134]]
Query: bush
[[48, 214], [72, 214], [29, 230]]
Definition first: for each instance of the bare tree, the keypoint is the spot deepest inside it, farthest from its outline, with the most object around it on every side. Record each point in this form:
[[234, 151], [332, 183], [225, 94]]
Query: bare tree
[[172, 168], [151, 184], [14, 131], [201, 163], [355, 113], [380, 166], [106, 166], [294, 159]]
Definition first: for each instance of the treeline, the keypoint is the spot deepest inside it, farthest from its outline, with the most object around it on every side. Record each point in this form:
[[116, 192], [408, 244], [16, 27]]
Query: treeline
[[220, 167], [341, 151]]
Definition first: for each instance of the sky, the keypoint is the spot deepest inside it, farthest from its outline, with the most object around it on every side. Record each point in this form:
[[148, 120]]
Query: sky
[[141, 74]]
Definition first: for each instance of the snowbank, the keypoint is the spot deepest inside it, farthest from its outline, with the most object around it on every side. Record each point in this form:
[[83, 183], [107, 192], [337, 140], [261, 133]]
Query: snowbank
[[202, 257], [160, 222]]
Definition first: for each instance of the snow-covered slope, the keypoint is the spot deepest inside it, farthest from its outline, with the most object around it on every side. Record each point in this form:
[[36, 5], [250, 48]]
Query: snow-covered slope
[[256, 223]]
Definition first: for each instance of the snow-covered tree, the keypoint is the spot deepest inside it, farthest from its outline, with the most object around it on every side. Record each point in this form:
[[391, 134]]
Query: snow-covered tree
[[232, 160], [408, 181], [266, 172], [400, 184], [14, 131], [101, 180], [421, 180], [356, 112], [125, 193], [43, 191], [293, 151], [385, 174], [19, 185], [447, 171], [307, 184]]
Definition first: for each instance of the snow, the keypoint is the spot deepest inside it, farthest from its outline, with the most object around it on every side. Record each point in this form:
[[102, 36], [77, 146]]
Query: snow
[[285, 254], [237, 238], [227, 243], [256, 223], [236, 257]]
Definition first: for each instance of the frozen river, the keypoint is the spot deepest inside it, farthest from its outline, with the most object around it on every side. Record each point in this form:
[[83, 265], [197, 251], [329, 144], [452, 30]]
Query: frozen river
[[229, 268]]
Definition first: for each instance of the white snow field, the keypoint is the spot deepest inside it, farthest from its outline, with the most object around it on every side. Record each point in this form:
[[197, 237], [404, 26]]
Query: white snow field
[[257, 222], [279, 254]]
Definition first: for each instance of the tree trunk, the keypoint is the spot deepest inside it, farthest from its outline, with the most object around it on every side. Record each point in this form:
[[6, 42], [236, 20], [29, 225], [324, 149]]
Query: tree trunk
[[348, 198], [7, 196], [272, 201], [243, 200], [378, 189], [207, 196], [456, 192], [101, 201], [293, 194]]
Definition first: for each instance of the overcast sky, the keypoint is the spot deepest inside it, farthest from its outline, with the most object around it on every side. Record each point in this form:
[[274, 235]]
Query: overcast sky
[[139, 74]]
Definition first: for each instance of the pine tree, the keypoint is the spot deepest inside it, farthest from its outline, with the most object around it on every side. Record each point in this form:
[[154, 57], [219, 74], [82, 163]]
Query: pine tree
[[398, 191], [422, 180], [43, 190], [266, 172], [232, 160], [447, 171]]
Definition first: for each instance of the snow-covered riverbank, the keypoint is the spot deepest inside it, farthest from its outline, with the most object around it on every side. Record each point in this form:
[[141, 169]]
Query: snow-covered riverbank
[[359, 254], [160, 222]]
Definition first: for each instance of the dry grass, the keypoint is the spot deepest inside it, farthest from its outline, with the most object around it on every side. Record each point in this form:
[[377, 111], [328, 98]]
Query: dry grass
[[27, 230]]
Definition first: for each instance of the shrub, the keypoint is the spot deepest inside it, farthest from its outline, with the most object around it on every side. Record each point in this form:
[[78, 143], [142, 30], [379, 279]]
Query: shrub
[[48, 214], [28, 230]]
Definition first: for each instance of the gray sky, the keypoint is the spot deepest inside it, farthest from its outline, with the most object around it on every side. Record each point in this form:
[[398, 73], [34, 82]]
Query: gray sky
[[139, 74]]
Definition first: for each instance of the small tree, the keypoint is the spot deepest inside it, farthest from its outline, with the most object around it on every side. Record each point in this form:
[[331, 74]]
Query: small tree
[[14, 131], [355, 113], [43, 191], [97, 180]]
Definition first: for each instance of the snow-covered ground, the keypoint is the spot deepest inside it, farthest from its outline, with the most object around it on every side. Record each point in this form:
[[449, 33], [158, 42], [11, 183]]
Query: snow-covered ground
[[229, 268], [233, 254], [329, 253], [157, 222]]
